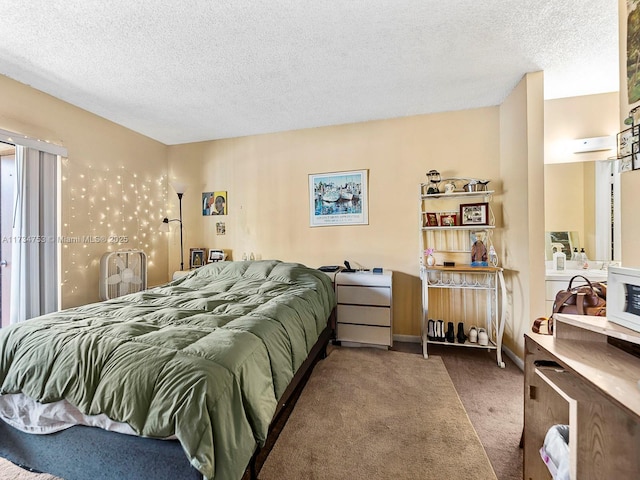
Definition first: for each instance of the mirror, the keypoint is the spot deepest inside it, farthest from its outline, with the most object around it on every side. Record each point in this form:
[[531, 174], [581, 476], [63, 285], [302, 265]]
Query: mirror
[[581, 198], [563, 241]]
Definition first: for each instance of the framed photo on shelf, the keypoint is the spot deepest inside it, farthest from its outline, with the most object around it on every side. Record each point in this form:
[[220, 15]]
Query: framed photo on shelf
[[474, 214], [430, 219], [196, 257], [216, 255], [448, 219]]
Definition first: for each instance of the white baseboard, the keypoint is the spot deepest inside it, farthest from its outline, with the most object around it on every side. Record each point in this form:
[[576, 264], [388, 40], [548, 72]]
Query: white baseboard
[[407, 338], [514, 358]]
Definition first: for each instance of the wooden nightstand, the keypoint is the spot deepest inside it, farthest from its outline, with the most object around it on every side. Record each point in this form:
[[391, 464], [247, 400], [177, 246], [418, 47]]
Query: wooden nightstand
[[365, 314], [180, 273]]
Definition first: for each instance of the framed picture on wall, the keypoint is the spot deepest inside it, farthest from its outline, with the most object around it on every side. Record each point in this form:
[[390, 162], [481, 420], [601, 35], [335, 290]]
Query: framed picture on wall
[[339, 198], [625, 142], [214, 203], [626, 164]]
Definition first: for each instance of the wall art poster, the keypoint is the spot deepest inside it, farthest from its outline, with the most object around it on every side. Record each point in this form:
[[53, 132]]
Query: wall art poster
[[214, 203], [338, 198], [633, 50]]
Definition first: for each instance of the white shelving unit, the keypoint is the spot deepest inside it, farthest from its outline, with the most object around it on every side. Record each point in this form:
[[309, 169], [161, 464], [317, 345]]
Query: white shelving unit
[[475, 296]]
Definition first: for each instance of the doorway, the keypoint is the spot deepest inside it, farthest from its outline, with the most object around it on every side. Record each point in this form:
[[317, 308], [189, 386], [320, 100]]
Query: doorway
[[7, 172]]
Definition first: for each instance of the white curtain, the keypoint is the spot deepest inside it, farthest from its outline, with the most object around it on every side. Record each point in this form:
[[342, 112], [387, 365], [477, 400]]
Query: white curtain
[[34, 269]]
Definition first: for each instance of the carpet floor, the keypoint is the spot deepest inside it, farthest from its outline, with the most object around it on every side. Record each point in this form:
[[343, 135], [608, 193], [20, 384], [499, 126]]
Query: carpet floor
[[491, 396], [9, 471], [375, 414]]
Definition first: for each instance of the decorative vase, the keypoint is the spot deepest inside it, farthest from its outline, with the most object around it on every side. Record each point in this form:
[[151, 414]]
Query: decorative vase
[[431, 261]]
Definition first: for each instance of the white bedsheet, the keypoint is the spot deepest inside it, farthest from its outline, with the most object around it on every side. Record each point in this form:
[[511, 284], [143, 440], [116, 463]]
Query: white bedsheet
[[27, 415]]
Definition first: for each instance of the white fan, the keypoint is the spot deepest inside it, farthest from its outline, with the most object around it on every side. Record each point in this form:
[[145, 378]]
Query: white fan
[[122, 273]]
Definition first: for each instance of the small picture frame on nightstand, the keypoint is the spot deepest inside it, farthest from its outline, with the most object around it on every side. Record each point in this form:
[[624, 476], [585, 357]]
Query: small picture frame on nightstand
[[197, 257]]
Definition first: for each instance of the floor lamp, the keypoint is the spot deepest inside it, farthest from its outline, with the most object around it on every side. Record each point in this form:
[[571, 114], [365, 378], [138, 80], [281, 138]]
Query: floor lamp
[[180, 189]]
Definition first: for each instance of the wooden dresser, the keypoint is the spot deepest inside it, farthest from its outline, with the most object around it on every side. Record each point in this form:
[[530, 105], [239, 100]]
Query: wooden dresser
[[578, 378]]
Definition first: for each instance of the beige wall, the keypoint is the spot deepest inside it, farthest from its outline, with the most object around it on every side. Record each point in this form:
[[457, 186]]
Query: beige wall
[[123, 177], [521, 171], [113, 184], [629, 182], [568, 119], [266, 177]]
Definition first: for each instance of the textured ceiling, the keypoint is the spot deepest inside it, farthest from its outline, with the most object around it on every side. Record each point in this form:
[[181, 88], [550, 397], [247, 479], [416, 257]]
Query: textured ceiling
[[185, 71]]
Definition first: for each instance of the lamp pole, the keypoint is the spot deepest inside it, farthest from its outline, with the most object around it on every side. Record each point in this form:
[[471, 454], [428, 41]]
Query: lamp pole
[[181, 245]]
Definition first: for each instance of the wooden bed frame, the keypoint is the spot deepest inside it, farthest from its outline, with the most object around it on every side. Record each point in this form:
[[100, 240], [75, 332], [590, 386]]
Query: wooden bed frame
[[85, 452]]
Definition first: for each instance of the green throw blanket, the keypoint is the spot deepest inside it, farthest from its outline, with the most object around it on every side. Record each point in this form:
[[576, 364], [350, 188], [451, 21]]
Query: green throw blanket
[[204, 357]]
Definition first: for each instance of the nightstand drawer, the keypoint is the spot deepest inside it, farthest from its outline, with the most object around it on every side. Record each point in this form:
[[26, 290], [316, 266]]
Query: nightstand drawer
[[364, 334], [356, 295], [365, 279], [380, 316]]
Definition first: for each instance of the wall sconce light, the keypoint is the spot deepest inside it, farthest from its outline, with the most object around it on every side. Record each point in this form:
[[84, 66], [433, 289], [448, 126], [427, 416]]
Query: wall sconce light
[[180, 188]]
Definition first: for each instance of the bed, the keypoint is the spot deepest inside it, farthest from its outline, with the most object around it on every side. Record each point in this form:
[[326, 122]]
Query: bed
[[208, 360]]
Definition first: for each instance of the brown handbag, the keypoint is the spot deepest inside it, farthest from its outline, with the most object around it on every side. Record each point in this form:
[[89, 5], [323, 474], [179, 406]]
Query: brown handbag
[[589, 299]]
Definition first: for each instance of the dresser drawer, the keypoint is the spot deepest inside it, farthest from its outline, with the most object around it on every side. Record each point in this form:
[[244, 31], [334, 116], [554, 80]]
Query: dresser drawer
[[364, 334], [365, 279], [380, 316], [356, 295]]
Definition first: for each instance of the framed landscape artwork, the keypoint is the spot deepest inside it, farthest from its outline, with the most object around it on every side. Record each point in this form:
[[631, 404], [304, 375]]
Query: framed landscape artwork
[[338, 198]]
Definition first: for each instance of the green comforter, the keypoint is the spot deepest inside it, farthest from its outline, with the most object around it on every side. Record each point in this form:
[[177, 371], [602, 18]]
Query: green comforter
[[204, 357]]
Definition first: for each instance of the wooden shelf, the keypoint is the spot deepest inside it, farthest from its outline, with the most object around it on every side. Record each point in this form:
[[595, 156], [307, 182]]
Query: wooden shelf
[[464, 269], [460, 227], [426, 196]]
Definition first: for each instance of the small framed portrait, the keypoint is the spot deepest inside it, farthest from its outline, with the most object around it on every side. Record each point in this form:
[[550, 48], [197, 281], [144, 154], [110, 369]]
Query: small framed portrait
[[196, 257], [216, 255], [221, 229], [474, 214], [448, 219], [430, 219]]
